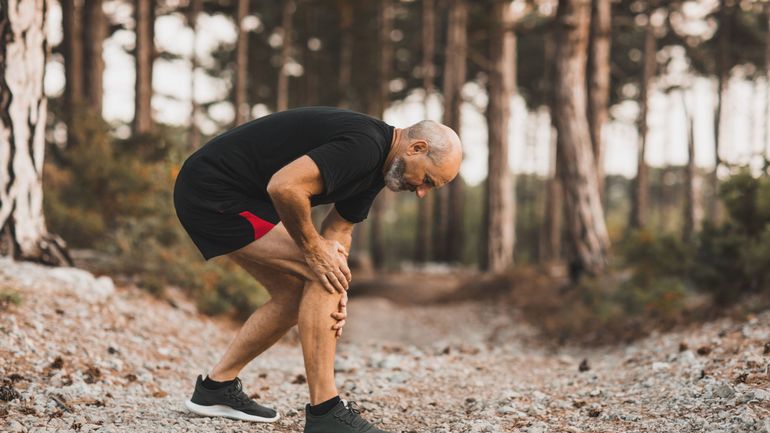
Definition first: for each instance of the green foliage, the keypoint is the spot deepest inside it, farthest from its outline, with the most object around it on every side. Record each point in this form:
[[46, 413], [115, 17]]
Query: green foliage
[[9, 297], [115, 196]]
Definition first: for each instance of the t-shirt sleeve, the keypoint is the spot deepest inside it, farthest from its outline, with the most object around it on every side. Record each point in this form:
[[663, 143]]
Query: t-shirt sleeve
[[356, 208], [345, 159]]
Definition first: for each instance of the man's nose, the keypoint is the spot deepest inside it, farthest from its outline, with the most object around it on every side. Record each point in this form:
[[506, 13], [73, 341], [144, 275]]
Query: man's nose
[[422, 190]]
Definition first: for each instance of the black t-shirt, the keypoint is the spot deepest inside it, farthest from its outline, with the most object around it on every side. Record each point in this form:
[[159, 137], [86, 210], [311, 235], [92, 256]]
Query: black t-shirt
[[349, 148]]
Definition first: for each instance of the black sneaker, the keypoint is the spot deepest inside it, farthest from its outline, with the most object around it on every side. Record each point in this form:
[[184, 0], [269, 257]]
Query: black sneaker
[[229, 402], [343, 418]]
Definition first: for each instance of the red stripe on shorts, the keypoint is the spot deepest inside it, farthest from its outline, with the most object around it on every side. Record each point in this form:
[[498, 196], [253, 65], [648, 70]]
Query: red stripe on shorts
[[260, 226]]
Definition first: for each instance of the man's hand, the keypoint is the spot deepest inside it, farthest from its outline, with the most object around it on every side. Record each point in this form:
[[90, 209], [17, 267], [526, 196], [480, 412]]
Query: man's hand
[[341, 315], [328, 260]]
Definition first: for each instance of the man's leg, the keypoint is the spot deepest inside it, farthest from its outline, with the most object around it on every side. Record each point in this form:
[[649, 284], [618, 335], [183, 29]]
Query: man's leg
[[267, 324]]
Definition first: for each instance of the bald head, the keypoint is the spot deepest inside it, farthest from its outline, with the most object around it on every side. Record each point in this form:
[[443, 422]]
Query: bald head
[[443, 142]]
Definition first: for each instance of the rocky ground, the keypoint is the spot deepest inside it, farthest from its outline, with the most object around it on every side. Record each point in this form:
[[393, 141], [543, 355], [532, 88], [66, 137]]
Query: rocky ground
[[78, 354]]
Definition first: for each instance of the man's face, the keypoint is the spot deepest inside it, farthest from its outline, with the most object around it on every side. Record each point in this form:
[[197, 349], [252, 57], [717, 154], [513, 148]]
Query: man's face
[[413, 171]]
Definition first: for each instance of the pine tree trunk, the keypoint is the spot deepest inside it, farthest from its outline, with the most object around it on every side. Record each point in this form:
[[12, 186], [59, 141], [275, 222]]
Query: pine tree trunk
[[94, 34], [425, 205], [550, 230], [500, 221], [599, 81], [640, 202], [692, 213], [193, 10], [723, 78], [144, 16], [23, 109], [240, 102], [385, 68], [345, 8], [73, 53], [283, 76], [588, 239], [766, 142], [451, 222]]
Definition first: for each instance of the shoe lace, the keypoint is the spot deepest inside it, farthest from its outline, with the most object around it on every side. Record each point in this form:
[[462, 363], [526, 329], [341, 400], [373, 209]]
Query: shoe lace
[[352, 416], [236, 394]]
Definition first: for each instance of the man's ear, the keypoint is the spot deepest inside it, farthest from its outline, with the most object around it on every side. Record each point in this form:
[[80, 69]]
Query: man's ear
[[417, 147]]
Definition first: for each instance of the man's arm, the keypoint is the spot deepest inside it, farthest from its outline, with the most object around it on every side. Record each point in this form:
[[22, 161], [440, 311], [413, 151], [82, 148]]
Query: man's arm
[[338, 228], [290, 189]]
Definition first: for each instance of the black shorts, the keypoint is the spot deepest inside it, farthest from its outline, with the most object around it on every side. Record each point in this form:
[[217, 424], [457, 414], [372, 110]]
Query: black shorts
[[219, 219]]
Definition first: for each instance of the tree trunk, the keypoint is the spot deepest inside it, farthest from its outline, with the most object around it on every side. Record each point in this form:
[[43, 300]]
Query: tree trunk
[[345, 8], [23, 109], [283, 76], [550, 231], [193, 10], [692, 213], [766, 142], [454, 78], [588, 239], [94, 34], [639, 196], [500, 219], [425, 205], [599, 82], [723, 78], [240, 102], [144, 17], [73, 53], [385, 68]]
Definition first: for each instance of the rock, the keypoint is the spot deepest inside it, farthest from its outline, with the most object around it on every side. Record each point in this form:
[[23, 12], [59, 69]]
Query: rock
[[724, 391], [584, 366], [658, 366]]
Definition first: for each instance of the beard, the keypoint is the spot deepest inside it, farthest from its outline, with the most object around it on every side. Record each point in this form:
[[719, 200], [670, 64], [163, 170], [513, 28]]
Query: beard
[[394, 178]]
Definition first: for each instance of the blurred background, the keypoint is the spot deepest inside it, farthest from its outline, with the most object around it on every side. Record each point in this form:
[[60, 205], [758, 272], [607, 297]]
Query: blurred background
[[616, 152]]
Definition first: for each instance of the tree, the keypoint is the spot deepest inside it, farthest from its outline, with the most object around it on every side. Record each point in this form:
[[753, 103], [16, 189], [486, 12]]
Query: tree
[[94, 34], [425, 205], [23, 109], [588, 239], [499, 230], [242, 109], [692, 212], [450, 234], [144, 19], [599, 81], [283, 74], [193, 10], [640, 193]]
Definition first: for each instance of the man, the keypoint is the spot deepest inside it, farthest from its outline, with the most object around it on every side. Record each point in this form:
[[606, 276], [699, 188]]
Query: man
[[247, 194]]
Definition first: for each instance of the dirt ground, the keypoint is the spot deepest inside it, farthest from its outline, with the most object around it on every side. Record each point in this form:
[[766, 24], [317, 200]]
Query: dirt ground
[[78, 354]]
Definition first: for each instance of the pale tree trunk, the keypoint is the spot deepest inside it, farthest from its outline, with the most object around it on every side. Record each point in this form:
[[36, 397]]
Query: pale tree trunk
[[551, 229], [94, 34], [193, 10], [766, 141], [283, 76], [144, 17], [345, 8], [639, 202], [425, 205], [599, 81], [500, 220], [242, 108], [23, 233], [723, 78], [588, 239], [450, 218], [692, 211], [385, 71]]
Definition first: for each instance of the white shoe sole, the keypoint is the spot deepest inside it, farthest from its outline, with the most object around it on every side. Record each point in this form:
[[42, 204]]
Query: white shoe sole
[[227, 412]]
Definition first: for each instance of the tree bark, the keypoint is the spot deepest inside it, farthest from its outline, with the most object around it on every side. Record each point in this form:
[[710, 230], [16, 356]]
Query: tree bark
[[692, 213], [345, 8], [451, 218], [599, 82], [500, 220], [240, 100], [588, 239], [94, 34], [425, 205], [766, 141], [193, 10], [640, 202], [23, 109], [73, 53], [144, 17], [551, 229], [723, 78], [283, 76], [385, 69]]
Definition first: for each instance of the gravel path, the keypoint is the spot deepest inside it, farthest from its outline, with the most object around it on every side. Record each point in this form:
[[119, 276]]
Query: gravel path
[[79, 355]]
